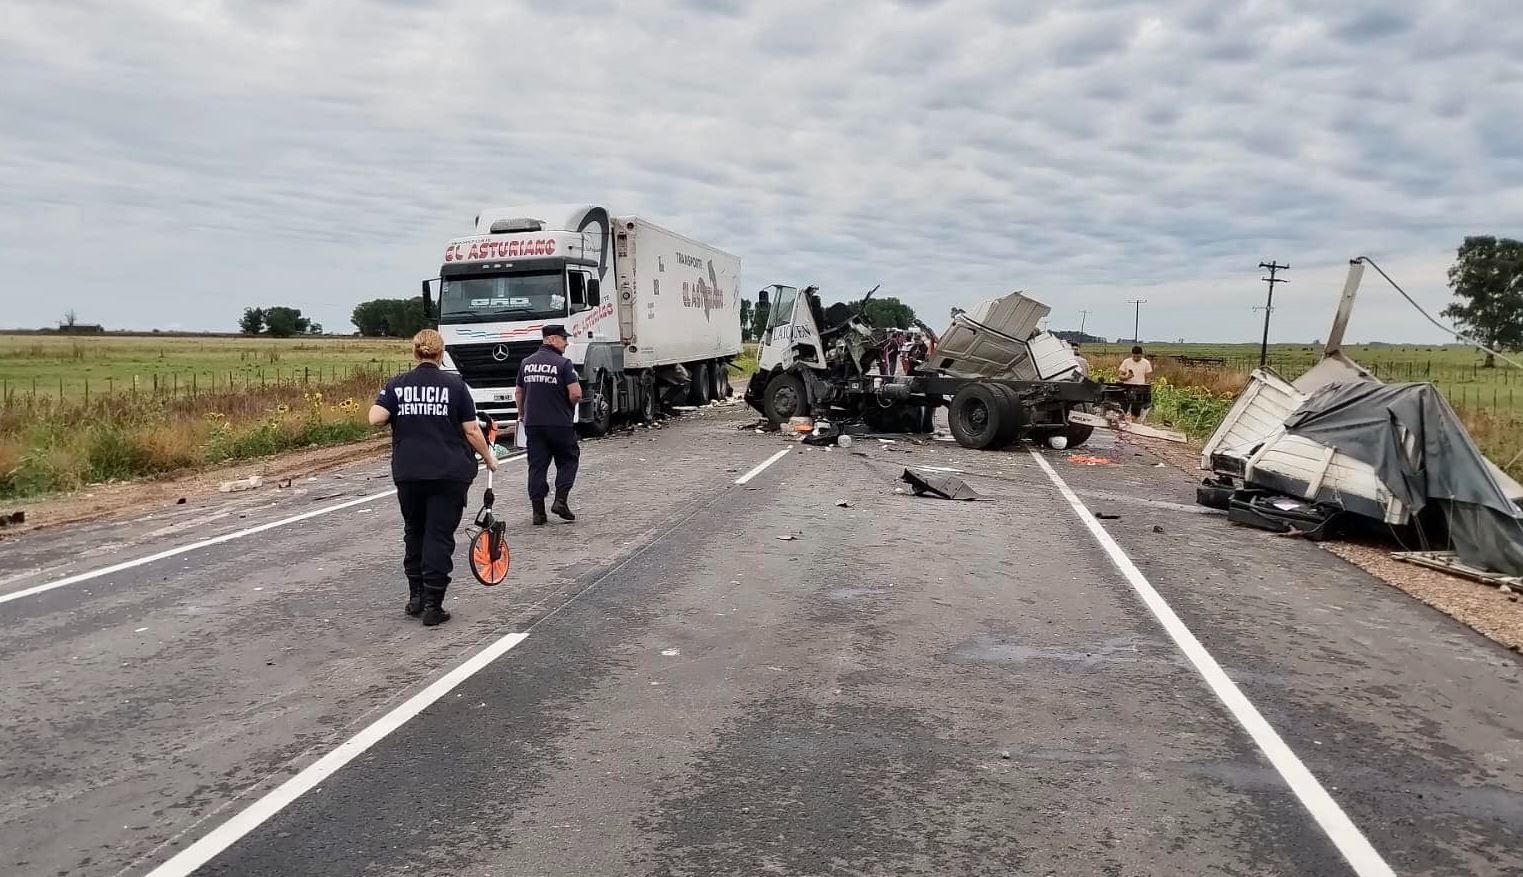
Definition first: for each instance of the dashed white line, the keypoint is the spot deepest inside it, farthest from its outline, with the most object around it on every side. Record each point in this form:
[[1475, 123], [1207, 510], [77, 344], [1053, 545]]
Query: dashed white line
[[763, 465], [228, 833], [204, 543], [1341, 830]]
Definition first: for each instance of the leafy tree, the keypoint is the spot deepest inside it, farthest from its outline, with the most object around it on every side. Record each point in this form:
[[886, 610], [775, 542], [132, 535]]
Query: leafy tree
[[1487, 277], [70, 319], [315, 329], [745, 320], [889, 313], [252, 321], [283, 322], [390, 317]]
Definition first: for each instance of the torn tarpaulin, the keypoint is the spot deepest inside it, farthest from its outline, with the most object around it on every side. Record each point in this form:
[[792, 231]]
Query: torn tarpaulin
[[938, 484]]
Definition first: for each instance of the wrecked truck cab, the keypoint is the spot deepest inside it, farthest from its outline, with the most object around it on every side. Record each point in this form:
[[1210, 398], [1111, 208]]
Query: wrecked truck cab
[[1000, 377]]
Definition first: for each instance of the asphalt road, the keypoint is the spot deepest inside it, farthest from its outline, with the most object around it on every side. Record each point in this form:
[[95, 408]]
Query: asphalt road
[[905, 686]]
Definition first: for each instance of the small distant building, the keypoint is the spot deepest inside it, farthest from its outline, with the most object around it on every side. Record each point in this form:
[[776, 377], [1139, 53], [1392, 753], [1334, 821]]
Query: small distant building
[[82, 329]]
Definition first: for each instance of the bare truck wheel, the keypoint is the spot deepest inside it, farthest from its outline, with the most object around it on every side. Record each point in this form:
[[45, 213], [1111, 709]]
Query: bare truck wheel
[[698, 384], [784, 399], [718, 383], [978, 415], [1015, 417]]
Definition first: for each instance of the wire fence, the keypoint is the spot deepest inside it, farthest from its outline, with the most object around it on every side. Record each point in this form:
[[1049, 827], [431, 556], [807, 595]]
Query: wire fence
[[188, 384], [1469, 388]]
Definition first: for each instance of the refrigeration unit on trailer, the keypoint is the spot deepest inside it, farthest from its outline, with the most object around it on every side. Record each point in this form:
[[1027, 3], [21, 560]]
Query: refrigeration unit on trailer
[[653, 316]]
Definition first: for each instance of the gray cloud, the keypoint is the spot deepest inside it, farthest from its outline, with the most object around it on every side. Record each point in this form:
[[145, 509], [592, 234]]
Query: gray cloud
[[168, 164]]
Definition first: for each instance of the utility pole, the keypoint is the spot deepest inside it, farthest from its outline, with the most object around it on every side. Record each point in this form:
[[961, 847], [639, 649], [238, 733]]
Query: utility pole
[[1137, 304], [1083, 317], [1273, 268]]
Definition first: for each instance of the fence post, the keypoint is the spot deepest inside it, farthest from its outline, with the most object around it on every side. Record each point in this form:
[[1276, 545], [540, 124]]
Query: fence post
[[87, 391], [306, 375]]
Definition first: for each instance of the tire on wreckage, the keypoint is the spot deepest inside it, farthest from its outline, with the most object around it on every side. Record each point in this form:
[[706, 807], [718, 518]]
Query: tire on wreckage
[[983, 416]]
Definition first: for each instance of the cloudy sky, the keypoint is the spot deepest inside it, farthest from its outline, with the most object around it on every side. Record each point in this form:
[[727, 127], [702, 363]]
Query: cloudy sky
[[167, 162]]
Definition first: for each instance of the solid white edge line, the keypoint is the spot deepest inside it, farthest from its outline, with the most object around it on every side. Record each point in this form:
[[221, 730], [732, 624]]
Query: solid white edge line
[[204, 543], [230, 832], [763, 465], [1346, 836]]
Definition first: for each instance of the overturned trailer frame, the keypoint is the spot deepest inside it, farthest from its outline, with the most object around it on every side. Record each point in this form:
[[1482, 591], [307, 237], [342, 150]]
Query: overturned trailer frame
[[1000, 379]]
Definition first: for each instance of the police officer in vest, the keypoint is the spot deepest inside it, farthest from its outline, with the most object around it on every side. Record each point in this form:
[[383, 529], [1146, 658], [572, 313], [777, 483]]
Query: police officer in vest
[[547, 392], [433, 432]]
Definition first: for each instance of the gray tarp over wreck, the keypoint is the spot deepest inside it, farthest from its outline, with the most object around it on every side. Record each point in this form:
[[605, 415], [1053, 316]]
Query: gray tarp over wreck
[[1372, 422]]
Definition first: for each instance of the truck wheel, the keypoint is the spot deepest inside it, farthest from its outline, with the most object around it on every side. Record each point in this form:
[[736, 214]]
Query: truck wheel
[[724, 382], [1079, 433], [698, 384], [602, 411], [718, 389], [649, 406], [1014, 416], [785, 399], [978, 415]]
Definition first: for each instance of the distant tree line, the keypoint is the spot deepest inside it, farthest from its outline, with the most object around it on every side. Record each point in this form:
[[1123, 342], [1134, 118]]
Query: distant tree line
[[277, 322], [390, 317]]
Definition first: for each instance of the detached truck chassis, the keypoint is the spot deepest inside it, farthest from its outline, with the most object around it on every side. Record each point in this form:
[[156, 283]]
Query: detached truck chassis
[[806, 370]]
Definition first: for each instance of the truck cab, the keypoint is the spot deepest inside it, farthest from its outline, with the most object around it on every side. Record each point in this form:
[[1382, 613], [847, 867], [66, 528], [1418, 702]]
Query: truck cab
[[499, 288]]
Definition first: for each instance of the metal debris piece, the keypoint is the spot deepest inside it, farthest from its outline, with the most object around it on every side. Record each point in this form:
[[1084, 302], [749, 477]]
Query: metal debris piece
[[942, 485], [1449, 562]]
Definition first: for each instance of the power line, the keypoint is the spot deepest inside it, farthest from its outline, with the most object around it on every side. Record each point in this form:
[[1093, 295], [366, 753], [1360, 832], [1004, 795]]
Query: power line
[[1460, 335], [1273, 268]]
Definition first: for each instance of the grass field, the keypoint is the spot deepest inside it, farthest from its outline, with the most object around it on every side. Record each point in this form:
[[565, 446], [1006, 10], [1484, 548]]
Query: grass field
[[72, 366], [1457, 371]]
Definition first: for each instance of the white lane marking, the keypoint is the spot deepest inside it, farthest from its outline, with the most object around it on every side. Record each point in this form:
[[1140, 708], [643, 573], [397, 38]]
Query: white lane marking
[[763, 465], [1346, 836], [204, 543], [230, 832]]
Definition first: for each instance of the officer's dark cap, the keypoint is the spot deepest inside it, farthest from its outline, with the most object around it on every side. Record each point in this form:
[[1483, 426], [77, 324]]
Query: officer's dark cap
[[555, 329]]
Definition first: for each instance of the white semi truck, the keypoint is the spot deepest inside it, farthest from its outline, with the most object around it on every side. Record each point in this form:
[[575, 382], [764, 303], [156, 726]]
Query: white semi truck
[[654, 317]]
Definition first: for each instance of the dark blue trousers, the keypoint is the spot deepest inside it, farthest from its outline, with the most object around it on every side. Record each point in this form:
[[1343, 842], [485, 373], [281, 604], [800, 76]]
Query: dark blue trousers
[[547, 443]]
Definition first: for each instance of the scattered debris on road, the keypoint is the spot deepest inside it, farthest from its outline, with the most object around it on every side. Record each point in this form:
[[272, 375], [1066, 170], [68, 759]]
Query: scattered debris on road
[[1449, 561], [787, 538], [1106, 516], [12, 519], [1086, 460], [926, 482], [238, 484]]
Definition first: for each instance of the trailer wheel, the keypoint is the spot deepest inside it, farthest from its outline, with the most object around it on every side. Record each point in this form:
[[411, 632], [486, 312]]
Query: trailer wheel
[[602, 410], [724, 381], [1014, 416], [978, 416], [717, 382], [784, 399], [698, 384]]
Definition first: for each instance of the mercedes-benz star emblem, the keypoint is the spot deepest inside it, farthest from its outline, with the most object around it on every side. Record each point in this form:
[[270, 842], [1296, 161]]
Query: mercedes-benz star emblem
[[500, 353]]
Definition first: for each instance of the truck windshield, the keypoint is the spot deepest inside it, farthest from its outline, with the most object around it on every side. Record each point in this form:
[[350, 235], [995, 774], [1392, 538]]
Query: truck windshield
[[485, 298]]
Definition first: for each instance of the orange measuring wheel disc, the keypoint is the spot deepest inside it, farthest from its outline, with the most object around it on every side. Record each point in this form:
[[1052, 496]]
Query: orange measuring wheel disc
[[489, 570]]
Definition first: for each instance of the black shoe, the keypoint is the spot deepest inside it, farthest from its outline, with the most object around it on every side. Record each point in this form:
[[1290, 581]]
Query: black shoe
[[414, 600], [434, 613], [539, 511], [560, 508]]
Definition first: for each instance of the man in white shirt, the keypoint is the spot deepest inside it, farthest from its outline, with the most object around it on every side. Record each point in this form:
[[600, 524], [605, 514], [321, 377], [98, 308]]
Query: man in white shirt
[[1082, 362], [1137, 371]]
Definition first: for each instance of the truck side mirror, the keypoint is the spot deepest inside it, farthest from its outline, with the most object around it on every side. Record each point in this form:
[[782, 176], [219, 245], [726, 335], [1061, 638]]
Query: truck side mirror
[[594, 292], [428, 301], [761, 297]]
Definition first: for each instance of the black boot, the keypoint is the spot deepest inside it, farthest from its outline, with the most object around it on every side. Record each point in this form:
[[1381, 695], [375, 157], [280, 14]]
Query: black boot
[[539, 511], [414, 599], [560, 508], [433, 608]]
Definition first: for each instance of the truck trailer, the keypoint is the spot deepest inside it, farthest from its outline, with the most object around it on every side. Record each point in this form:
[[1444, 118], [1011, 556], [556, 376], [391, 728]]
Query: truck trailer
[[653, 316]]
